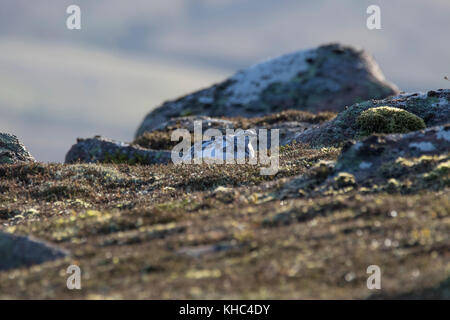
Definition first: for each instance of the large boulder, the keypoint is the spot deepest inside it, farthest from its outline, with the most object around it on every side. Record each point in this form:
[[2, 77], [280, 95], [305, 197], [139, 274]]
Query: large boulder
[[327, 78], [102, 150], [19, 251], [433, 107], [12, 150]]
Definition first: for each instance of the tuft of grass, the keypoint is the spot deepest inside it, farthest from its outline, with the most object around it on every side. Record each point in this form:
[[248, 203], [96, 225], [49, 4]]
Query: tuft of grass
[[343, 180]]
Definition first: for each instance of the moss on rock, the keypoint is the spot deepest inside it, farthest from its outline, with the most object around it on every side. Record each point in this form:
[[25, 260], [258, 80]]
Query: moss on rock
[[441, 171], [433, 107], [388, 120], [343, 180]]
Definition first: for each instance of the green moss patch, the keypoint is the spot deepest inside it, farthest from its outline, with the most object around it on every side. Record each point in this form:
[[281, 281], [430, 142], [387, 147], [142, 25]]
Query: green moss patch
[[388, 120]]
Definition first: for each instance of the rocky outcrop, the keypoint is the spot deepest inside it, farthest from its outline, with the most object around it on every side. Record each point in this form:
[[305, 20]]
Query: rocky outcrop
[[433, 107], [19, 251], [382, 157], [327, 78], [103, 150], [406, 163], [12, 150]]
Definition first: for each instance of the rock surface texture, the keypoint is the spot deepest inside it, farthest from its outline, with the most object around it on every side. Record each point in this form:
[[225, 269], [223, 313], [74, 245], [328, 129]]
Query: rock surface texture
[[327, 78], [18, 251], [12, 150], [396, 163], [101, 150], [377, 156]]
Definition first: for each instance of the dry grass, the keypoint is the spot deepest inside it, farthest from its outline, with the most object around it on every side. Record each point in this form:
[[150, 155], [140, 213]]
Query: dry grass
[[221, 232]]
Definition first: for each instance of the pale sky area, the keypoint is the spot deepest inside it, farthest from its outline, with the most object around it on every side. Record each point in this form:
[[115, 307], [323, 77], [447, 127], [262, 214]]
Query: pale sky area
[[130, 56]]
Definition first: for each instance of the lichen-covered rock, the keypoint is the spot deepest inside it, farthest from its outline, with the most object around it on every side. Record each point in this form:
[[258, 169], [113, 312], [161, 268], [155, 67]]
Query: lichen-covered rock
[[406, 163], [433, 107], [19, 251], [12, 151], [388, 120], [103, 150], [327, 78], [393, 156], [308, 182]]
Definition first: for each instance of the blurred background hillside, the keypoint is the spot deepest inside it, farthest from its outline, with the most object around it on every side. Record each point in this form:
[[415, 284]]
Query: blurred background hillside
[[58, 84]]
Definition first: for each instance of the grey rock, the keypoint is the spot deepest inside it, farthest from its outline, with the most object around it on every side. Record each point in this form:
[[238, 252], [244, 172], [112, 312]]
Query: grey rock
[[19, 251], [104, 150], [12, 150], [409, 162], [372, 157], [327, 78], [433, 107]]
